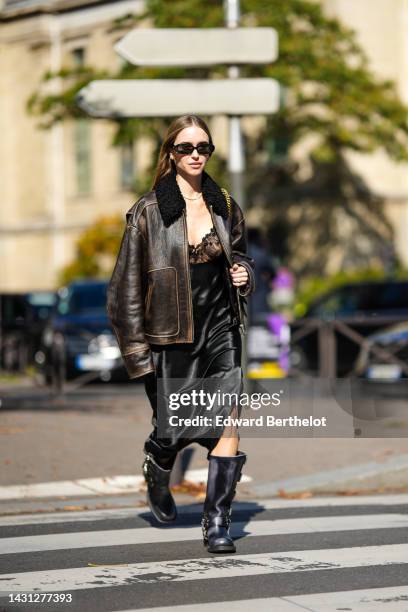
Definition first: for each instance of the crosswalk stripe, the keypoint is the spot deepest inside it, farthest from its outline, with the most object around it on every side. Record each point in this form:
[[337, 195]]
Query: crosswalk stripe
[[270, 504], [143, 535], [206, 568], [394, 599]]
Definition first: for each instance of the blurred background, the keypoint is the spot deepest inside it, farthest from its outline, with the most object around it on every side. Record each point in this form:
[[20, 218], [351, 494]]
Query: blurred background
[[325, 188]]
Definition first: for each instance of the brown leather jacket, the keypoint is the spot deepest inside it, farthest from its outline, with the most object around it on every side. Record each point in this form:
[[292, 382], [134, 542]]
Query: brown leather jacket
[[149, 295]]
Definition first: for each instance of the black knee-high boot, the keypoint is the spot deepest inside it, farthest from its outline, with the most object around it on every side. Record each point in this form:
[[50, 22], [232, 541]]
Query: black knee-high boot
[[157, 468], [223, 475]]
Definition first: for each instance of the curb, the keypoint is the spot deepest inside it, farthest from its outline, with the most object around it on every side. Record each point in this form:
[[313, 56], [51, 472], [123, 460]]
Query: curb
[[390, 473]]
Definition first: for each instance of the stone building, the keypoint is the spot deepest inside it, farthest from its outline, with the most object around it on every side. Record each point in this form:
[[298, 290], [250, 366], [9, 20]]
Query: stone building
[[381, 27], [54, 183]]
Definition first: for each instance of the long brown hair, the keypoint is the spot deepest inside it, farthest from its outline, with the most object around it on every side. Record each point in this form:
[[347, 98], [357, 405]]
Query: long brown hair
[[164, 164]]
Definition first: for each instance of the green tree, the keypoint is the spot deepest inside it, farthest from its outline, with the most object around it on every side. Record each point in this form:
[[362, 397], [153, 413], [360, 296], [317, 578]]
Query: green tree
[[96, 250], [328, 92]]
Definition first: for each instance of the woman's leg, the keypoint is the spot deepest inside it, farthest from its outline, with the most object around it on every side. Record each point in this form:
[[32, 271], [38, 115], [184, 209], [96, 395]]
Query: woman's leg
[[231, 382], [224, 472], [227, 445], [160, 456], [164, 451]]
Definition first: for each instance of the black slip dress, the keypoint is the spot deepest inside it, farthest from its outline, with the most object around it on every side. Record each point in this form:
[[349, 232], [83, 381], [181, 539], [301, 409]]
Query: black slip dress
[[212, 362]]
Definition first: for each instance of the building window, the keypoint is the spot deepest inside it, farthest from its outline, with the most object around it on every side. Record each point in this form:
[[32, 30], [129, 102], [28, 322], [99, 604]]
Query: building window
[[82, 137], [127, 165], [78, 56]]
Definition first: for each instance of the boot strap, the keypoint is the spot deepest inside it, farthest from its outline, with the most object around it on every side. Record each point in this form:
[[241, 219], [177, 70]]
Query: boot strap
[[224, 520], [149, 469]]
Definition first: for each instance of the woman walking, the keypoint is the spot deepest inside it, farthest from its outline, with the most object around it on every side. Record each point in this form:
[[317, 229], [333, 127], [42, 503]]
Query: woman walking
[[176, 300]]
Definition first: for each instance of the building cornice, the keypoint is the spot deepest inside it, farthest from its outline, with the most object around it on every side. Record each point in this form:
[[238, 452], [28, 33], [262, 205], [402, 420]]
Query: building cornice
[[21, 9]]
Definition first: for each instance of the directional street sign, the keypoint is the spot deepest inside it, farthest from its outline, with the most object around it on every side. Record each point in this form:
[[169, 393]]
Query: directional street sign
[[171, 97], [232, 46], [199, 46]]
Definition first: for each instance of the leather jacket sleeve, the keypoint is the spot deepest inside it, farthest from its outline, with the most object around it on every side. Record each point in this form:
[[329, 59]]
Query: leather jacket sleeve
[[239, 248], [125, 303]]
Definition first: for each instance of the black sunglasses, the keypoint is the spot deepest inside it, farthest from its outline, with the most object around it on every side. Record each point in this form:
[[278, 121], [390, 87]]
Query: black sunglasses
[[186, 148]]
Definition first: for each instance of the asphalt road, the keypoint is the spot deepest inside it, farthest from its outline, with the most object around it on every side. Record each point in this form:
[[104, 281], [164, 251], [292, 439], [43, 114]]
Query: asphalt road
[[319, 555]]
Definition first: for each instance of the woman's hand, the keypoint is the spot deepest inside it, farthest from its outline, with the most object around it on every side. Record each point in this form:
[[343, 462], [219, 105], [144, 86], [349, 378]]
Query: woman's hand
[[239, 275]]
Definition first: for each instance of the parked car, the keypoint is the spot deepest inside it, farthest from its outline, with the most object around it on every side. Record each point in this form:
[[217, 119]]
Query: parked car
[[365, 307], [375, 367], [79, 337], [23, 317]]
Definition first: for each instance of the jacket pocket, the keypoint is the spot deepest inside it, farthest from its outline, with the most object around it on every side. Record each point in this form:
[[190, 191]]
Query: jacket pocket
[[161, 303]]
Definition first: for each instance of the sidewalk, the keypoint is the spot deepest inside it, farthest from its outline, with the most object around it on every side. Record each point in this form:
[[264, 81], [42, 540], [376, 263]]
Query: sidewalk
[[103, 437]]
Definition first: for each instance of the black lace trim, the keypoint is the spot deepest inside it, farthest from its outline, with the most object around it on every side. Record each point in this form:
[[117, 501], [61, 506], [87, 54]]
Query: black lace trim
[[202, 242], [208, 249]]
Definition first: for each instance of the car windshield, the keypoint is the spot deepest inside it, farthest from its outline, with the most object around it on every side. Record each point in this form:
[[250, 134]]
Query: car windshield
[[42, 303], [364, 298], [83, 300]]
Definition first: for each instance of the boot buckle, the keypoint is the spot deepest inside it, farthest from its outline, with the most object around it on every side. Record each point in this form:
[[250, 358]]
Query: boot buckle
[[148, 471], [204, 527]]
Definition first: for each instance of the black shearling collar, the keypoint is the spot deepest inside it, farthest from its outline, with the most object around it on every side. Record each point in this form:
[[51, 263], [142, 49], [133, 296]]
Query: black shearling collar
[[171, 202]]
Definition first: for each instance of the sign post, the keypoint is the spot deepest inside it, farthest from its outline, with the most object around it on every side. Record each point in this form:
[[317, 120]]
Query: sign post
[[236, 157]]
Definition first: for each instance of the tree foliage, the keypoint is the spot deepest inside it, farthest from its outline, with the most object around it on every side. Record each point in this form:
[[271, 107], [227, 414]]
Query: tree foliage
[[96, 250]]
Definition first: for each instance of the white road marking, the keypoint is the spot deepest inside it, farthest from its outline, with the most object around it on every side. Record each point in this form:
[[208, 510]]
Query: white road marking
[[205, 568], [194, 508], [150, 535]]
